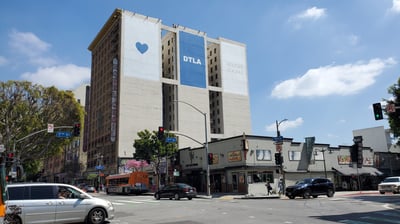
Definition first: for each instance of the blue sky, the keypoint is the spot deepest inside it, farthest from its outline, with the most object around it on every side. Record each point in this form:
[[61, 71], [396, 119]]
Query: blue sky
[[320, 64]]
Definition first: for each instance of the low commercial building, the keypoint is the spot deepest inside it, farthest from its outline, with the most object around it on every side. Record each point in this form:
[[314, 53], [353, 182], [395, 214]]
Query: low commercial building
[[243, 164]]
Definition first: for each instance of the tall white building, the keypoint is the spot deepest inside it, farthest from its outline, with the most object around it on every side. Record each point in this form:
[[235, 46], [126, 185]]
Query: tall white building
[[146, 75]]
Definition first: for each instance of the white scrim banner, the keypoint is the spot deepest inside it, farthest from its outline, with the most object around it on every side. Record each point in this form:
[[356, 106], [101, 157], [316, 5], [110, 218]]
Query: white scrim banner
[[234, 68], [141, 41]]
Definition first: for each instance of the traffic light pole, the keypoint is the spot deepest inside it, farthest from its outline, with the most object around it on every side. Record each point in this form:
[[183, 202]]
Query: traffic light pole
[[14, 166]]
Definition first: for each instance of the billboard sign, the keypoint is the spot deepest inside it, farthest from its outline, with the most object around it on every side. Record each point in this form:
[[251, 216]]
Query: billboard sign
[[192, 60], [141, 57]]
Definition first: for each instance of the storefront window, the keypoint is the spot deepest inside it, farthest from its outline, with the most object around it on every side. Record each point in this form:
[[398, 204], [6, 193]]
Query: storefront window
[[259, 177]]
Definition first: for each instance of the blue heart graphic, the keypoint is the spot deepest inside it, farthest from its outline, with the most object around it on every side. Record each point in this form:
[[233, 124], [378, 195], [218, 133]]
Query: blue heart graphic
[[142, 48]]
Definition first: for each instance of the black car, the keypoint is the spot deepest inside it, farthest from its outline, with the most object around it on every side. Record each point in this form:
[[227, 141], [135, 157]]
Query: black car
[[176, 191], [311, 187]]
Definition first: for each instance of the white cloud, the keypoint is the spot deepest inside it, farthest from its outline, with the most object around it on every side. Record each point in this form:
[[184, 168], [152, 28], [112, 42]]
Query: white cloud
[[396, 6], [333, 80], [3, 61], [285, 125], [29, 45], [64, 77], [313, 13]]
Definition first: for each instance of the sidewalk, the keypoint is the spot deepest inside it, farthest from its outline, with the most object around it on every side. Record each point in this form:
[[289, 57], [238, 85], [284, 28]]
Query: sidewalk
[[228, 196]]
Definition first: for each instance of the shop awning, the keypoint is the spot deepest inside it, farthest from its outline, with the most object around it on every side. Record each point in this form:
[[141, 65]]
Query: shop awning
[[349, 171]]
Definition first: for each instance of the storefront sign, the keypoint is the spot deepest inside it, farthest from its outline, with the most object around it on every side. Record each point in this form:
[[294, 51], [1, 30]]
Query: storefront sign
[[234, 156]]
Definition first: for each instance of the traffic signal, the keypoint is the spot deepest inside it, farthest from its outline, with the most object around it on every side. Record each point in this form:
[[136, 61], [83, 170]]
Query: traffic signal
[[278, 158], [210, 158], [77, 130], [354, 153], [10, 159], [377, 111], [160, 133]]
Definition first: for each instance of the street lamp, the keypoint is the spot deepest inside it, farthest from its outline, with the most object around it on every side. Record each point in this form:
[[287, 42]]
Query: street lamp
[[279, 148], [278, 133], [205, 144]]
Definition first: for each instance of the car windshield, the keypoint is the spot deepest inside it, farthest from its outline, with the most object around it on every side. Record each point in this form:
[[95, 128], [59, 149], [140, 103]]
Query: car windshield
[[391, 180]]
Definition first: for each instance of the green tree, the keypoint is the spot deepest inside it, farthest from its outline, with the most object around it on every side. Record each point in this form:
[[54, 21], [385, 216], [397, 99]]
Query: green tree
[[394, 118], [27, 108], [148, 147]]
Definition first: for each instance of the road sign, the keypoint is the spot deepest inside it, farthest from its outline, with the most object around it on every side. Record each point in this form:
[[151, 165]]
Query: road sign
[[63, 134], [170, 140], [50, 128], [278, 139], [100, 167]]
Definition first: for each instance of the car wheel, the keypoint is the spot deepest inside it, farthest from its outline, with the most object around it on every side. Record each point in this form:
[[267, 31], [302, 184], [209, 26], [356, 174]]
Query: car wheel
[[315, 196], [330, 193], [176, 196], [96, 216], [306, 194], [157, 196], [12, 219], [381, 192], [190, 198], [291, 197]]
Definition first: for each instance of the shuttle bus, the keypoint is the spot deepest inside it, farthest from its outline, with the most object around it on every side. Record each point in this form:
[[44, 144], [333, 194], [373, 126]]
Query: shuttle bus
[[128, 183]]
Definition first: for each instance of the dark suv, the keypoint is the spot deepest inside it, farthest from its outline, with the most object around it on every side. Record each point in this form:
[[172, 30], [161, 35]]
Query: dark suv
[[311, 187]]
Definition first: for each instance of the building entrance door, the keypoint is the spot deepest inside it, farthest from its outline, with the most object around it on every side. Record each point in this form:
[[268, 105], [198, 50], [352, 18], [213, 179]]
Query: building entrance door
[[235, 182]]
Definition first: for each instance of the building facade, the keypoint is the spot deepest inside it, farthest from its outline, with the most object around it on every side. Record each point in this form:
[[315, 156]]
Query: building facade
[[243, 164], [145, 75]]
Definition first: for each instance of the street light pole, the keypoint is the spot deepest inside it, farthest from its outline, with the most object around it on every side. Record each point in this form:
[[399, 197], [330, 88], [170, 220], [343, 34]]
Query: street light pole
[[278, 134], [205, 143]]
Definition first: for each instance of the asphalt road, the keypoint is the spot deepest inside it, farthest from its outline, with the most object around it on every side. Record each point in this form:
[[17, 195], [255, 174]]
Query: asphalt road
[[351, 208]]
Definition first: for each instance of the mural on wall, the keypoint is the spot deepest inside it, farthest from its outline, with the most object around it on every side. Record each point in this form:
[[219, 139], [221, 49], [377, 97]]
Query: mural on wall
[[344, 159]]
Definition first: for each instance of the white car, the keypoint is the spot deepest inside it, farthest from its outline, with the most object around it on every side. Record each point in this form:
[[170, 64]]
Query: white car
[[389, 184], [57, 203]]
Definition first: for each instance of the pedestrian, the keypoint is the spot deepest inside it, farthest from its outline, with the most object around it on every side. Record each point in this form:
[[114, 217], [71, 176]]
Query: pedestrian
[[269, 188], [280, 186]]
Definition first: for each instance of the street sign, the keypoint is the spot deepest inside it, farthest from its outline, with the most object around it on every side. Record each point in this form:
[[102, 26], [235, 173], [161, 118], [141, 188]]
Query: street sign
[[278, 147], [170, 140], [63, 134], [50, 128], [390, 108], [278, 139], [100, 167]]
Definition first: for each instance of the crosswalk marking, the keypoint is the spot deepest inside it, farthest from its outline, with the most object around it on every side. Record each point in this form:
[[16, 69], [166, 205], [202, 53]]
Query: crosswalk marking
[[122, 202]]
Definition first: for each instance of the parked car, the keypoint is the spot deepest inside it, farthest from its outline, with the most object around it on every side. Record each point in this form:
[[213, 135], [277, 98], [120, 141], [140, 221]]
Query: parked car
[[90, 189], [57, 203], [311, 187], [176, 191], [389, 184]]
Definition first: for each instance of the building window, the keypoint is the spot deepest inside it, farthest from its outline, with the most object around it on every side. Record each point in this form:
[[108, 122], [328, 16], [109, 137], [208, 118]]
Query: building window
[[294, 156], [263, 155]]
